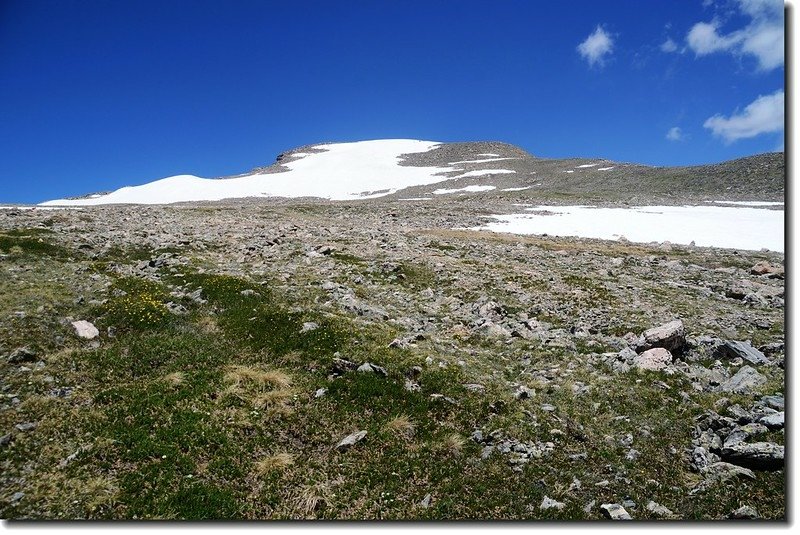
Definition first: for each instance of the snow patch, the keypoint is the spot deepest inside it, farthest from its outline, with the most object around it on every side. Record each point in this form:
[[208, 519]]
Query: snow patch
[[517, 189], [341, 171], [488, 154], [748, 203], [481, 161], [482, 172], [586, 165], [707, 226], [605, 168], [465, 189]]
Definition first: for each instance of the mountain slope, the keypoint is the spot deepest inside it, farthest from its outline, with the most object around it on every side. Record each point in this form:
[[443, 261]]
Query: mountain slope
[[402, 168]]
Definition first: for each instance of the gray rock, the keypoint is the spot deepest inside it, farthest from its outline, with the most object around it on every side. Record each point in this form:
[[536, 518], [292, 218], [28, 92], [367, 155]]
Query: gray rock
[[6, 439], [17, 496], [350, 440], [28, 426], [309, 326], [773, 421], [745, 380], [474, 387], [774, 402], [670, 336], [85, 329], [655, 359], [615, 511], [733, 349], [758, 455], [320, 392], [341, 365], [720, 472], [659, 510], [549, 503], [368, 367], [426, 501], [523, 392], [744, 512], [22, 354]]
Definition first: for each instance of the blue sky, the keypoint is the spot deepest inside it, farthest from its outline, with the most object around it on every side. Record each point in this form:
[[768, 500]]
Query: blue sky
[[95, 95]]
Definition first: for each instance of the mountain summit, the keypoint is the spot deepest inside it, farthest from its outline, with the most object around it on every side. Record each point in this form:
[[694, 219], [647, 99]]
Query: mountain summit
[[428, 169]]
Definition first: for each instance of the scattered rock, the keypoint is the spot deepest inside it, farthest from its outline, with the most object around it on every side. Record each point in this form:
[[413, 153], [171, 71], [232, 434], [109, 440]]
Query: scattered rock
[[720, 472], [615, 511], [6, 439], [368, 367], [28, 426], [22, 354], [745, 380], [426, 501], [670, 336], [659, 510], [549, 503], [17, 496], [744, 512], [758, 455], [309, 326], [320, 392], [655, 359], [733, 349], [350, 440], [773, 421], [765, 268], [85, 329]]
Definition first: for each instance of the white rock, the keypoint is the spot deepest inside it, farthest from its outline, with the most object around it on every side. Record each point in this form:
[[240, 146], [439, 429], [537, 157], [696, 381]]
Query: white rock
[[86, 330]]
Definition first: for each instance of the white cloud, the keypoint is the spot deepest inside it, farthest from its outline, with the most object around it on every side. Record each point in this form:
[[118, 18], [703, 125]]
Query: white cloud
[[675, 134], [762, 38], [762, 116], [669, 45], [596, 47]]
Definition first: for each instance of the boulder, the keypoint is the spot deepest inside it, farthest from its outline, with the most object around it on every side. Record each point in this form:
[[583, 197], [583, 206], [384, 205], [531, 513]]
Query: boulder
[[615, 511], [773, 421], [745, 380], [655, 359], [733, 349], [671, 336], [758, 455], [85, 329]]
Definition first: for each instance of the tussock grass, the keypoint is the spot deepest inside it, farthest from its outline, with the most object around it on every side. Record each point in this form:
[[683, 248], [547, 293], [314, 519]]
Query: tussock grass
[[401, 426], [276, 462]]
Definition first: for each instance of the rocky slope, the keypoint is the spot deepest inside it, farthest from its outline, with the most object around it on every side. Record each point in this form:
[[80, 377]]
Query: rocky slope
[[287, 359], [418, 169]]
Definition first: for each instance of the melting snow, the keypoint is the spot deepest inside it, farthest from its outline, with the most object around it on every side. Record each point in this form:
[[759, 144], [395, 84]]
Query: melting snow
[[482, 172], [343, 171], [517, 189], [748, 203], [708, 226], [481, 161], [586, 165], [487, 154], [605, 168], [468, 188]]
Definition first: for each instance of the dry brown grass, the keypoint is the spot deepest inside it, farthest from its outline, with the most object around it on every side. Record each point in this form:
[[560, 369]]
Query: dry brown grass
[[312, 497], [453, 444], [401, 426], [256, 378], [275, 462], [174, 379]]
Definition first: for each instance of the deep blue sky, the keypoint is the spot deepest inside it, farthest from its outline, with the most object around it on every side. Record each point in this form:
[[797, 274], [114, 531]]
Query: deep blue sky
[[95, 95]]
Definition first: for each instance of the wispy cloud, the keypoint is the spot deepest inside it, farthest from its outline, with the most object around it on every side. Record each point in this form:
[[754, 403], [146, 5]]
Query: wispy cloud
[[762, 116], [762, 38], [674, 134], [596, 47], [669, 45]]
